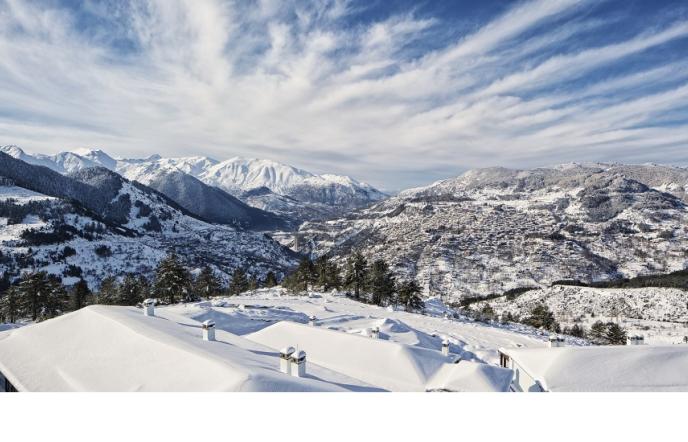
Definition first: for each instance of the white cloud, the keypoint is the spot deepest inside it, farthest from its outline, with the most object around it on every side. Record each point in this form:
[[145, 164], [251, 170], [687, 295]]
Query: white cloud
[[297, 82]]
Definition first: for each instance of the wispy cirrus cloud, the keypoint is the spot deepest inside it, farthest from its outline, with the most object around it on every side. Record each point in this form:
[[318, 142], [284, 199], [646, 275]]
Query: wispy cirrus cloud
[[406, 95]]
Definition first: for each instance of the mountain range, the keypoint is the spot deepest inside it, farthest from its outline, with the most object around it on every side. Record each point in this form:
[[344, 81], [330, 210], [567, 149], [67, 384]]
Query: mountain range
[[253, 193]]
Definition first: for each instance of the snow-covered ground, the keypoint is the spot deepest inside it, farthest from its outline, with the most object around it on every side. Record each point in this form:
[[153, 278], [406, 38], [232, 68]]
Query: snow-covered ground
[[474, 341]]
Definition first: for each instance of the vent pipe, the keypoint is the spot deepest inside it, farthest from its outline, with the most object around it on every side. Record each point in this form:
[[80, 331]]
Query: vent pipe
[[149, 307], [375, 333], [445, 347], [311, 320], [285, 359], [556, 341], [298, 364], [635, 340], [209, 330]]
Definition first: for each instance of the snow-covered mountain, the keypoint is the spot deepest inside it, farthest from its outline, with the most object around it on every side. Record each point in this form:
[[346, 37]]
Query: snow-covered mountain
[[93, 222], [492, 230], [293, 193]]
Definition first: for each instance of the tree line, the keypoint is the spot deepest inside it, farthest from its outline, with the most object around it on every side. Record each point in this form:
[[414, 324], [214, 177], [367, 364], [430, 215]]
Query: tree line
[[364, 281], [541, 317], [38, 295]]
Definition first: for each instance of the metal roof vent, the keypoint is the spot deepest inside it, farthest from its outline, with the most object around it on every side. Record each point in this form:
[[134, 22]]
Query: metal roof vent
[[149, 307], [209, 330]]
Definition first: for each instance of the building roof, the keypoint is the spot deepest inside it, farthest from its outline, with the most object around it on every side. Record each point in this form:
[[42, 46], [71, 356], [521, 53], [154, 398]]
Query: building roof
[[387, 364], [109, 348], [606, 368]]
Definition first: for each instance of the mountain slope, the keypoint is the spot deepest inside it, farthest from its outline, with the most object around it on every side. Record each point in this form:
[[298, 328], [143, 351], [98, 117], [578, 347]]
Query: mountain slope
[[113, 226], [492, 230], [296, 194], [207, 202]]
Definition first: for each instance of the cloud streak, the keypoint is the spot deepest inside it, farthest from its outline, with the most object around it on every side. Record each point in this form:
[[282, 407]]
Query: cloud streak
[[309, 84]]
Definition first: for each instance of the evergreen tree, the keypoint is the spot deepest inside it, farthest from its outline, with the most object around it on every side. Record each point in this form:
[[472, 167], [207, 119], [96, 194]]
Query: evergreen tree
[[409, 296], [615, 334], [487, 312], [239, 282], [9, 305], [356, 275], [576, 331], [381, 283], [57, 299], [207, 284], [33, 290], [598, 332], [327, 273], [81, 295], [304, 276], [108, 292], [129, 291], [253, 283], [172, 281], [541, 317], [270, 279]]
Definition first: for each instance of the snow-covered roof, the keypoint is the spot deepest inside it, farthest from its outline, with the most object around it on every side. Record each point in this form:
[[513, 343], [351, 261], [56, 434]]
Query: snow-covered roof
[[608, 368], [109, 348], [387, 364]]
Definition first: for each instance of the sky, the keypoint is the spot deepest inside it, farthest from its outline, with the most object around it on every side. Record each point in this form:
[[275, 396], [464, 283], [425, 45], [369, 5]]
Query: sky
[[395, 93]]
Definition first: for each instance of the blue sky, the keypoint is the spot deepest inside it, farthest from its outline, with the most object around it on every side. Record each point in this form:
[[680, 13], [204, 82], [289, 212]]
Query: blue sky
[[396, 93]]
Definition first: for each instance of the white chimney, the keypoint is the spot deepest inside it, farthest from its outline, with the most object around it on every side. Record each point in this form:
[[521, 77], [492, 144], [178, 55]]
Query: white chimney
[[298, 364], [375, 333], [635, 340], [209, 330], [556, 341], [285, 359], [445, 347], [311, 320], [149, 307]]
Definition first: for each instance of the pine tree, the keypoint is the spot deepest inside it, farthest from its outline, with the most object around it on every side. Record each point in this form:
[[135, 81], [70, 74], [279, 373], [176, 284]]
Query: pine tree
[[252, 283], [33, 290], [409, 296], [327, 273], [172, 281], [57, 299], [108, 292], [239, 282], [576, 331], [207, 284], [381, 283], [541, 317], [598, 332], [270, 279], [302, 278], [615, 334], [81, 295], [356, 275], [9, 305], [129, 291]]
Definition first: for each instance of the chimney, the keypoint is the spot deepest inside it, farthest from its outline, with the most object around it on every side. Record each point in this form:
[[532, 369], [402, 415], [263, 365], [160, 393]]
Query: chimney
[[285, 359], [556, 341], [635, 340], [375, 333], [311, 320], [445, 347], [298, 363], [149, 307], [209, 330]]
